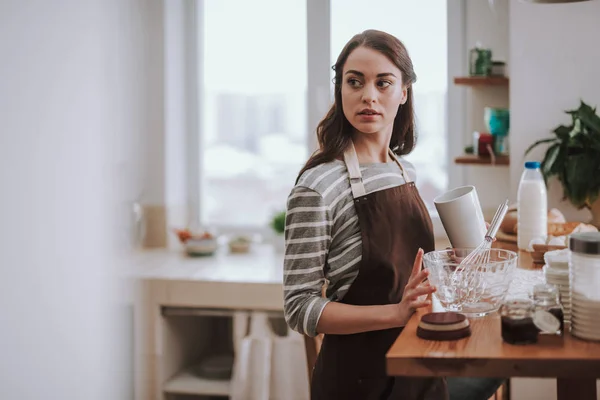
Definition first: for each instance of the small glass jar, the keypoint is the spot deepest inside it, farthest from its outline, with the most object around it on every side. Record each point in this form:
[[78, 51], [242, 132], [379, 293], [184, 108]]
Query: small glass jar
[[517, 322], [546, 298]]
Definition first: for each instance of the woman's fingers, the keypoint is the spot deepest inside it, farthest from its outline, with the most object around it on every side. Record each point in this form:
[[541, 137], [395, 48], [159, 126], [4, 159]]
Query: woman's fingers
[[415, 280], [417, 264], [420, 303], [421, 291]]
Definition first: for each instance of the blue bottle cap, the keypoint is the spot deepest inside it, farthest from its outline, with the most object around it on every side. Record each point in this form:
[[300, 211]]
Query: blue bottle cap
[[532, 164]]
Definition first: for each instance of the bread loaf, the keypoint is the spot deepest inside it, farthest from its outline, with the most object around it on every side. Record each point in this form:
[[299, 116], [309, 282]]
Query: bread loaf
[[562, 229], [509, 223]]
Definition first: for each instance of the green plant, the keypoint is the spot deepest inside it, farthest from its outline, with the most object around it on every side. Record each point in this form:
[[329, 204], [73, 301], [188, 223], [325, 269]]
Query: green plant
[[573, 156], [278, 222]]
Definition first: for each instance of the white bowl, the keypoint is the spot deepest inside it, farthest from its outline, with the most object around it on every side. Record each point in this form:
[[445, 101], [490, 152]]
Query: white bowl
[[201, 247], [557, 259]]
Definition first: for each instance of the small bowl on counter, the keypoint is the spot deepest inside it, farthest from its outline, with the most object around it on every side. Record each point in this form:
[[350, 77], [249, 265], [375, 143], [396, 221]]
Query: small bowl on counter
[[240, 244], [197, 244], [201, 246]]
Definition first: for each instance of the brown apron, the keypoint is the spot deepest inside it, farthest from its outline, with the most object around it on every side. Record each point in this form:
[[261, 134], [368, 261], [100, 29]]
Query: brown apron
[[394, 223]]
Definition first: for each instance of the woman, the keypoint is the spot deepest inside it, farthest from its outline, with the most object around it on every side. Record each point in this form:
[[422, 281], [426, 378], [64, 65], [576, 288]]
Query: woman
[[357, 227]]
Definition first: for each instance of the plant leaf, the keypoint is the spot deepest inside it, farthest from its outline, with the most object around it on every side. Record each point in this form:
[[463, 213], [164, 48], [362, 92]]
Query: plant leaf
[[595, 142], [592, 122], [591, 141], [558, 166], [576, 128], [549, 159], [562, 132], [538, 143], [588, 117], [579, 169]]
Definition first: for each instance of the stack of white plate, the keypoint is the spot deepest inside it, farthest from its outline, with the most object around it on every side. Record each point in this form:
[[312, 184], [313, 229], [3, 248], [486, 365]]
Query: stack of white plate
[[585, 317], [556, 272], [560, 279]]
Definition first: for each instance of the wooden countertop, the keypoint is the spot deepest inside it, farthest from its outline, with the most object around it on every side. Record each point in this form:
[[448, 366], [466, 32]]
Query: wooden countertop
[[575, 362], [486, 354]]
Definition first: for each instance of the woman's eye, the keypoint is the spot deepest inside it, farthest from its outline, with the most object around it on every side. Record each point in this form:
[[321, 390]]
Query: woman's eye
[[354, 82], [384, 84]]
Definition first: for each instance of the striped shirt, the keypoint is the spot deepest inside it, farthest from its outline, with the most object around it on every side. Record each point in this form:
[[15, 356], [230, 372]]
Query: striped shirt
[[323, 239]]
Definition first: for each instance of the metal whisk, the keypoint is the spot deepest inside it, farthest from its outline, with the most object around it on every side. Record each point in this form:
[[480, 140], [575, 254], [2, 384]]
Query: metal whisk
[[468, 276]]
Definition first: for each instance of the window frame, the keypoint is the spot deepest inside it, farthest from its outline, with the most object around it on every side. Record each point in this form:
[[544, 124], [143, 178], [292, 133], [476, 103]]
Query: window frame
[[319, 97]]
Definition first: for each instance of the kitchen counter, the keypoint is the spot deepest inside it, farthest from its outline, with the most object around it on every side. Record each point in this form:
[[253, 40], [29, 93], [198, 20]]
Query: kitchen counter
[[234, 281], [574, 362], [179, 297], [179, 302], [262, 265]]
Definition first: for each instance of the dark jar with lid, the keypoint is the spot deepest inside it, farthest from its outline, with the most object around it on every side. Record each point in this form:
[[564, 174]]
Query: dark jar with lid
[[517, 322], [546, 298]]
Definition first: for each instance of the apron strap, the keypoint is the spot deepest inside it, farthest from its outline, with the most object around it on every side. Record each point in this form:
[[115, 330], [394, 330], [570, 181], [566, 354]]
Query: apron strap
[[404, 173], [356, 182]]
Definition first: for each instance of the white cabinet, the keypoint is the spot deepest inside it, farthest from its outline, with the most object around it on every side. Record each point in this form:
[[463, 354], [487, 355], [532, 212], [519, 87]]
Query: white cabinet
[[183, 313], [192, 335]]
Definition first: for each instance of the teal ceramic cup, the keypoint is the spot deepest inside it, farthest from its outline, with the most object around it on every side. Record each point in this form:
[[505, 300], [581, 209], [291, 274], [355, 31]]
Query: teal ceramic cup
[[497, 120]]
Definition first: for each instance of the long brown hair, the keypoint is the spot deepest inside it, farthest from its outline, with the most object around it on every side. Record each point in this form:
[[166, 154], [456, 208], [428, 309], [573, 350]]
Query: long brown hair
[[334, 132]]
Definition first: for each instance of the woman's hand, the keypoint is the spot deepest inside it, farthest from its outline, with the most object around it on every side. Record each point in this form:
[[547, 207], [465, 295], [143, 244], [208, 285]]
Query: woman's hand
[[416, 292], [343, 319]]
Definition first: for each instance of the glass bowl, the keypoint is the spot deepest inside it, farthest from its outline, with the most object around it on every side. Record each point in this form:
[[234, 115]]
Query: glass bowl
[[477, 290]]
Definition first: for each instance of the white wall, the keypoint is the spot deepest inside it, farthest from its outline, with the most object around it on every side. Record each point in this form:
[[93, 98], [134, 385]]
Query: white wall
[[79, 88], [555, 63], [476, 21]]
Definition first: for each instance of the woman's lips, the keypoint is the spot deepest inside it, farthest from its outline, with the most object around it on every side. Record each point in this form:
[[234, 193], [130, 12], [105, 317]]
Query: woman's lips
[[368, 117]]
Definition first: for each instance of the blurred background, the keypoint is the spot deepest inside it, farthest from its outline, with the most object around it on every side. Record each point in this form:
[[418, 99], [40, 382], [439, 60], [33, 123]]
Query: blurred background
[[124, 120]]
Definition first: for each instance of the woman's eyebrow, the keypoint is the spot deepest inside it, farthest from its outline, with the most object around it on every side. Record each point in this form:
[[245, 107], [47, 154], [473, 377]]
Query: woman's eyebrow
[[351, 71]]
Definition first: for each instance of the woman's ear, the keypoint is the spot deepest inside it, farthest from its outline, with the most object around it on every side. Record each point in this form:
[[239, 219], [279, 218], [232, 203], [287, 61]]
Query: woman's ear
[[404, 94]]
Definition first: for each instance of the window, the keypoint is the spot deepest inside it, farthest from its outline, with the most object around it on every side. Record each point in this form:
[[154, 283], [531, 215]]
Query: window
[[254, 130]]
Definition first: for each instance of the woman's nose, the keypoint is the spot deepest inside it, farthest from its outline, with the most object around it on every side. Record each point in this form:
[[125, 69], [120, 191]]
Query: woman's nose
[[369, 94]]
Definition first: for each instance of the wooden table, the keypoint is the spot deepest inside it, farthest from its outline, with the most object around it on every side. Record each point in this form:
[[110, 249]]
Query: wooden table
[[574, 362]]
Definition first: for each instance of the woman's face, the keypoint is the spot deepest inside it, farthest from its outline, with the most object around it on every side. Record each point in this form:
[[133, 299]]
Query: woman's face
[[372, 91]]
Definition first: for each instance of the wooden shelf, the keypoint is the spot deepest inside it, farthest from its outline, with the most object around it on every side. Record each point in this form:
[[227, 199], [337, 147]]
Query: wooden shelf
[[186, 382], [481, 80], [481, 160]]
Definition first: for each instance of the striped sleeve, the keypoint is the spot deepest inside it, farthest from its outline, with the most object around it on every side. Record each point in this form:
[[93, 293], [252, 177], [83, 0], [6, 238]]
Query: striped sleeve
[[307, 239]]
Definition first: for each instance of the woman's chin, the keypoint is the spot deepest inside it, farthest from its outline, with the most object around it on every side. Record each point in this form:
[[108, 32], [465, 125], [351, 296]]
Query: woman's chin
[[367, 128]]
